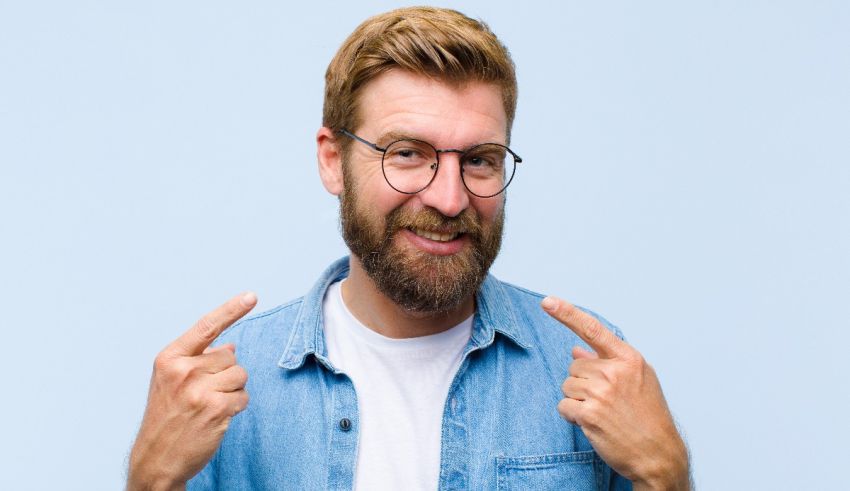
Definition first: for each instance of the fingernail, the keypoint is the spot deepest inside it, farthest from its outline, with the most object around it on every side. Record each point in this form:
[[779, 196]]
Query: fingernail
[[249, 299], [549, 303]]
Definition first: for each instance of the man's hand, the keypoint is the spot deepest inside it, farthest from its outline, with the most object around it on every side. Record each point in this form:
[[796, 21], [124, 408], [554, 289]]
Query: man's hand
[[194, 392], [615, 397]]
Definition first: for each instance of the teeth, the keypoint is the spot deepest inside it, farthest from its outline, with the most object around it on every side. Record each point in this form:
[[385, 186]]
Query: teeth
[[434, 236]]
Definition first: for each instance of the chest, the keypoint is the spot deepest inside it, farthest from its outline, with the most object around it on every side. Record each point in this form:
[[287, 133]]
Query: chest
[[498, 428]]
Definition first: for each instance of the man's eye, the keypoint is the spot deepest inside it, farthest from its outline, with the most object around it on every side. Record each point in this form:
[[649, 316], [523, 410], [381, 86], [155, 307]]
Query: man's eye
[[407, 153], [478, 161]]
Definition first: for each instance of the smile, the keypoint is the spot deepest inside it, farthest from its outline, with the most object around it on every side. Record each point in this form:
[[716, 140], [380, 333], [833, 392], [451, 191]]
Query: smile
[[436, 236]]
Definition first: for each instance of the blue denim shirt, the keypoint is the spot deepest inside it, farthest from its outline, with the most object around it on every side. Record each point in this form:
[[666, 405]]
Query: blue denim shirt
[[501, 428]]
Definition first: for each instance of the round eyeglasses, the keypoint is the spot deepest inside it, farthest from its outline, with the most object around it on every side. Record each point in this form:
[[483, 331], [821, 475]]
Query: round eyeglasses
[[410, 165]]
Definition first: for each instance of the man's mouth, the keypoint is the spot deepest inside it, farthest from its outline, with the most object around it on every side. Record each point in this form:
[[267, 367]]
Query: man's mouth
[[435, 236]]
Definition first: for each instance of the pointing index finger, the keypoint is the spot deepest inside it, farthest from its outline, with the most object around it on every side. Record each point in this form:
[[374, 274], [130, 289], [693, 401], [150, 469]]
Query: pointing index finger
[[587, 327], [199, 336]]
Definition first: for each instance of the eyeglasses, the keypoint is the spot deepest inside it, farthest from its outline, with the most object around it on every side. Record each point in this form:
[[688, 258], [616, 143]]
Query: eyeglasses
[[410, 165]]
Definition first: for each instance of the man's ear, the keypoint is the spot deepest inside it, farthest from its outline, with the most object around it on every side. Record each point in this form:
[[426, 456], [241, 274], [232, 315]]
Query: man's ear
[[330, 160]]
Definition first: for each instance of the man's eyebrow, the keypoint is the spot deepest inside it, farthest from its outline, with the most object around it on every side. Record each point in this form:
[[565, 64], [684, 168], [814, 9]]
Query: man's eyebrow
[[393, 136]]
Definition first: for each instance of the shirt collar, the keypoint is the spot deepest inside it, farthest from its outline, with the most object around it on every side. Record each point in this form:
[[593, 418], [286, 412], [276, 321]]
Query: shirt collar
[[494, 313]]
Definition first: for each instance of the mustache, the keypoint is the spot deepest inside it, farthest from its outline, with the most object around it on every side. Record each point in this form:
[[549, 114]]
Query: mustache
[[467, 222]]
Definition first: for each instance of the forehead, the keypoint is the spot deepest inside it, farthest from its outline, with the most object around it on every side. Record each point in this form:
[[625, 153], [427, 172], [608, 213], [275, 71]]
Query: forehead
[[447, 115]]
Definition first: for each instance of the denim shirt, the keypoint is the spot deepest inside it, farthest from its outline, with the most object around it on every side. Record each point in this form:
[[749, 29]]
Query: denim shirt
[[500, 430]]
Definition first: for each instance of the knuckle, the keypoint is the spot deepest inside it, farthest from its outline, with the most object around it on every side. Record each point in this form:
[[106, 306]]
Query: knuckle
[[229, 357], [229, 405], [629, 370], [244, 399], [633, 357], [567, 310], [182, 368], [241, 376], [590, 416], [602, 392], [579, 366], [240, 405], [206, 328], [612, 374], [197, 398], [220, 360], [592, 330], [223, 425], [161, 363], [219, 405], [176, 370], [570, 412], [564, 409]]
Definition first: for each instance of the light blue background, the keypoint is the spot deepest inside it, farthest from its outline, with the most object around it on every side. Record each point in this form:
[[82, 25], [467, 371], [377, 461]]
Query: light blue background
[[686, 174]]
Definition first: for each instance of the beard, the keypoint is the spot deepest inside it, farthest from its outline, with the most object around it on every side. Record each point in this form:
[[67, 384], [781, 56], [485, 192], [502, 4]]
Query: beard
[[413, 279]]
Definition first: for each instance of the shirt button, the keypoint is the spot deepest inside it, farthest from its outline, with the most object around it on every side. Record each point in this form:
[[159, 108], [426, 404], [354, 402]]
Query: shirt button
[[345, 424]]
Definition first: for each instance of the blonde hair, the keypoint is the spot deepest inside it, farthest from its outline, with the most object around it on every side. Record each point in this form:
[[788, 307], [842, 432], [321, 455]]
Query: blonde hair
[[439, 43]]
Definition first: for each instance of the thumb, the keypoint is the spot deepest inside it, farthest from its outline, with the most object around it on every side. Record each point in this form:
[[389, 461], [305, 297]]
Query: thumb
[[581, 353], [228, 346]]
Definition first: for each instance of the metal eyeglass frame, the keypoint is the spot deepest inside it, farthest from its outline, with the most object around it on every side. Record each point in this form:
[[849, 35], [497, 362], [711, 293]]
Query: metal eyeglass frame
[[383, 150]]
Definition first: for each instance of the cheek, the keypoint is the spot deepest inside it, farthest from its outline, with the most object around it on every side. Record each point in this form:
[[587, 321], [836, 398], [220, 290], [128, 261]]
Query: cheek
[[488, 208], [375, 197], [382, 200]]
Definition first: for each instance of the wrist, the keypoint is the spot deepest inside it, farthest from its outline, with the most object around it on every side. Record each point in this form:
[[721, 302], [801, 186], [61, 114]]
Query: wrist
[[666, 483], [670, 474], [134, 483], [142, 477]]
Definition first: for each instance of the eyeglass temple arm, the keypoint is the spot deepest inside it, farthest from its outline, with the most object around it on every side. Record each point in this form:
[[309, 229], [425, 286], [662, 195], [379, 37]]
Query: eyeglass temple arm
[[361, 140], [517, 158]]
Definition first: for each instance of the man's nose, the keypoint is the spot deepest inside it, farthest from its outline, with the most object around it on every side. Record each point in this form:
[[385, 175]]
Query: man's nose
[[447, 193]]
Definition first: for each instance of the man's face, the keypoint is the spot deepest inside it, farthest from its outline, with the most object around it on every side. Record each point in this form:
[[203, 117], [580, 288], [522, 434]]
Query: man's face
[[430, 251]]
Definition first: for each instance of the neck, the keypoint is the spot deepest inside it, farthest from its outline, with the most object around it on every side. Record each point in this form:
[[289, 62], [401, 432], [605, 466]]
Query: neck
[[380, 314]]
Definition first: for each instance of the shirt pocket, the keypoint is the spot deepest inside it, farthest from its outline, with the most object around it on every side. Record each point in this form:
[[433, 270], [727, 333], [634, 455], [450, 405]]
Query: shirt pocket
[[577, 471]]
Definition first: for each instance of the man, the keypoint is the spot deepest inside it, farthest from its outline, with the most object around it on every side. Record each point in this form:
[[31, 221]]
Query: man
[[407, 366]]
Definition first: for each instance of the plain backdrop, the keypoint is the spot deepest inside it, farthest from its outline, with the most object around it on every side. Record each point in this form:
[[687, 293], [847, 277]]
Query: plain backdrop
[[686, 175]]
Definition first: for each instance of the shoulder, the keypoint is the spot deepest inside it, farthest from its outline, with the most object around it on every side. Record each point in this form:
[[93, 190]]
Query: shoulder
[[269, 330], [540, 329]]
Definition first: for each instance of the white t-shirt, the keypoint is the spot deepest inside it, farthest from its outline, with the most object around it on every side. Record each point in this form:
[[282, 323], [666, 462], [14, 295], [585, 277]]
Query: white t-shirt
[[401, 387]]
